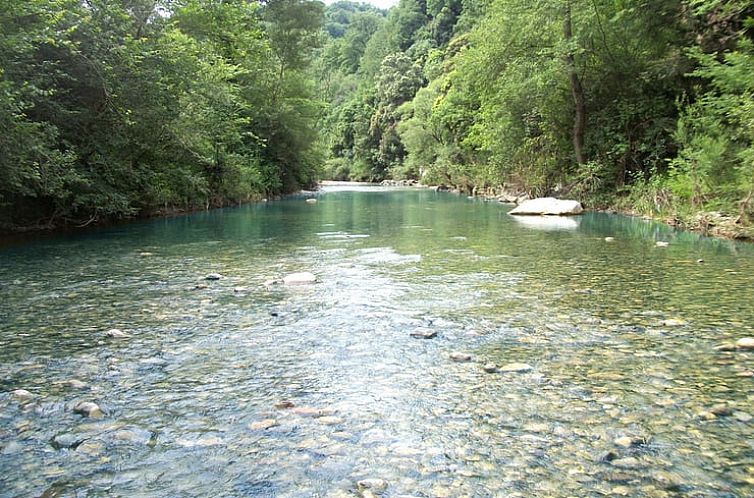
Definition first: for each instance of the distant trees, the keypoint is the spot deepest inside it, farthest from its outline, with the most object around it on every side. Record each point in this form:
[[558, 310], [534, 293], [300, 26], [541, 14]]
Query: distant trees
[[113, 109], [649, 102]]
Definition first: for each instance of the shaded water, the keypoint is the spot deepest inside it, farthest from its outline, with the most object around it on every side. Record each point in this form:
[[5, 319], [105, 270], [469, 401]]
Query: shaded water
[[620, 338]]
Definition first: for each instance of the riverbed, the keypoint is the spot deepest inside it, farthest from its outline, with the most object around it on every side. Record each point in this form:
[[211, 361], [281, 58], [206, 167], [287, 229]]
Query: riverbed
[[560, 363]]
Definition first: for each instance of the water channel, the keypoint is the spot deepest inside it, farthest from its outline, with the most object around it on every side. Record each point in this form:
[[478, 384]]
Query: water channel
[[609, 380]]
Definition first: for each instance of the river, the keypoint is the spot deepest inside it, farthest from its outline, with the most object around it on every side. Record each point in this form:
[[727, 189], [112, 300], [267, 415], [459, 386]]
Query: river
[[608, 380]]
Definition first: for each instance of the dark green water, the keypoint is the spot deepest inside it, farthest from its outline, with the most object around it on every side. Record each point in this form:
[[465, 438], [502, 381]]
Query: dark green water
[[620, 337]]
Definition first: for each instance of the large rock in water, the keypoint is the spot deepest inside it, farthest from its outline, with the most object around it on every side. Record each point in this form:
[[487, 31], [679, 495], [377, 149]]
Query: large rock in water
[[548, 205]]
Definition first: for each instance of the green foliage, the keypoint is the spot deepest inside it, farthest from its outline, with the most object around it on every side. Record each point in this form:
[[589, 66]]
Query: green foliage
[[112, 109]]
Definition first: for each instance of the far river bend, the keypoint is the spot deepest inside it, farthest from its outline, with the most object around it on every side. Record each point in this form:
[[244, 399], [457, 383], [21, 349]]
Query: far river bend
[[234, 388]]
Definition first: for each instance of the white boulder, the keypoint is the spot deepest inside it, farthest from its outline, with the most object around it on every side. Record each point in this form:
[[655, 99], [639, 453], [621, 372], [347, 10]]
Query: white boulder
[[549, 206], [300, 278]]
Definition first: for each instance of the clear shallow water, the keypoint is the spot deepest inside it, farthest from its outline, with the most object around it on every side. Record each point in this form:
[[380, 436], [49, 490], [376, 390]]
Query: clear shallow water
[[620, 337]]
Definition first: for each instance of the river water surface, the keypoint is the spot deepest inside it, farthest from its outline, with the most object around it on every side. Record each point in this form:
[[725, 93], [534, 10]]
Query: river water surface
[[620, 392]]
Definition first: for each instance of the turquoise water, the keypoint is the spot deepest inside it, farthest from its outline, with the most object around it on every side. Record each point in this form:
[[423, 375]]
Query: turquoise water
[[619, 340]]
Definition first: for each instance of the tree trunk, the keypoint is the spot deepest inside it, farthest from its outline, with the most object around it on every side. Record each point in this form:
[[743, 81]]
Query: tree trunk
[[579, 121]]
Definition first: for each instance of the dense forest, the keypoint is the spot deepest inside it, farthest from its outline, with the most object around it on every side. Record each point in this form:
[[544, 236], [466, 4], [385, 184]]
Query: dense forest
[[118, 108]]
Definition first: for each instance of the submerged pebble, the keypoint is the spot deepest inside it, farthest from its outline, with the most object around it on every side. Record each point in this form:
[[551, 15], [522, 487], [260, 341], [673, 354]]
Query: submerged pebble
[[88, 409]]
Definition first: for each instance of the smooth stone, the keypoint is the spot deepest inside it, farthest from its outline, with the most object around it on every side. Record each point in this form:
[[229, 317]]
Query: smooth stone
[[311, 201], [516, 368], [329, 420], [624, 442], [742, 416], [21, 394], [609, 239], [628, 441], [745, 343], [263, 424], [626, 463], [700, 260], [213, 276], [67, 441], [300, 278], [548, 206], [75, 384], [423, 334], [116, 334], [490, 368], [661, 243], [721, 410], [460, 357], [672, 322], [307, 411], [239, 289], [146, 254], [285, 403], [375, 485], [88, 409], [270, 282], [728, 346]]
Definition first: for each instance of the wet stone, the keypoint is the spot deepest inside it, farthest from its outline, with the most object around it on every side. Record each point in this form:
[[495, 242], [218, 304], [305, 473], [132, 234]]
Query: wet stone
[[377, 486], [626, 463], [307, 411], [283, 404], [213, 276], [21, 395], [516, 368], [263, 424], [490, 368], [745, 343], [300, 278], [88, 409], [422, 333], [742, 416], [460, 357], [116, 334]]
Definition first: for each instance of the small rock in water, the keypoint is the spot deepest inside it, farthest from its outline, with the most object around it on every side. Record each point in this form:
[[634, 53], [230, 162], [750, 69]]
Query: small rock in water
[[628, 441], [311, 201], [270, 282], [490, 368], [609, 239], [661, 243], [721, 410], [307, 411], [21, 395], [460, 357], [423, 334], [374, 485], [745, 343], [516, 368], [116, 334], [700, 260], [728, 346], [213, 276], [263, 424], [146, 254], [239, 289], [331, 420], [285, 403], [742, 416], [626, 463], [672, 322], [300, 278], [75, 384], [88, 409]]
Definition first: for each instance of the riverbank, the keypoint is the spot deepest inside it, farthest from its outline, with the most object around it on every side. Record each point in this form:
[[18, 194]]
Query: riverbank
[[708, 223]]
